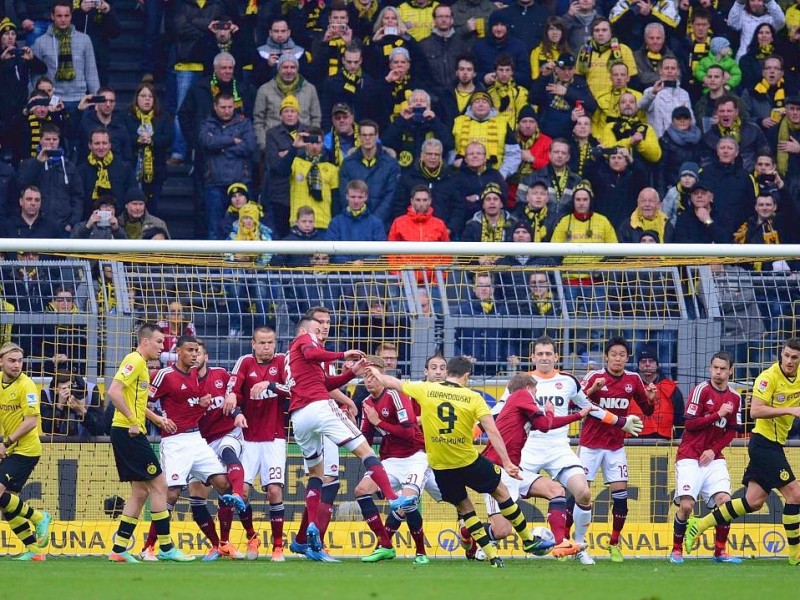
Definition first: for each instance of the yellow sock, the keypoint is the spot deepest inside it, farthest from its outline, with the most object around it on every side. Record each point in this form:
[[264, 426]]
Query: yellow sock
[[161, 521], [22, 529], [791, 524], [511, 511], [725, 513], [478, 533]]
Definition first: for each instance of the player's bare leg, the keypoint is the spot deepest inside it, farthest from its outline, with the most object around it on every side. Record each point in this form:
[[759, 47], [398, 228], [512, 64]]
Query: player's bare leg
[[619, 512], [277, 513], [372, 517], [581, 513]]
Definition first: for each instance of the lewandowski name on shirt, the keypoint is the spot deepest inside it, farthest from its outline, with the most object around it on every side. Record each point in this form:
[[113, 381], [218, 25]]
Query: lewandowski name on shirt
[[447, 396]]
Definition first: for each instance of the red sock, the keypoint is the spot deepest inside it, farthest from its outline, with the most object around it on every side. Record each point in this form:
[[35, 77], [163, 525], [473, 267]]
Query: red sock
[[419, 540], [236, 477], [209, 529], [557, 518], [721, 538], [301, 533], [225, 516], [247, 521], [375, 470], [277, 513], [152, 536], [616, 528], [376, 525], [324, 517], [313, 497]]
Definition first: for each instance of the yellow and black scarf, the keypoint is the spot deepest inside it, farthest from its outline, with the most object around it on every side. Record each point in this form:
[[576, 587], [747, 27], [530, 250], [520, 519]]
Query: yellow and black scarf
[[358, 212], [785, 131], [654, 58], [427, 173], [338, 155], [35, 127], [592, 48], [102, 182], [537, 221], [526, 168], [559, 182], [314, 178], [367, 12], [776, 93], [583, 156], [66, 69], [216, 89], [765, 51], [544, 306], [625, 127], [491, 233], [400, 94], [146, 150], [734, 131], [351, 81]]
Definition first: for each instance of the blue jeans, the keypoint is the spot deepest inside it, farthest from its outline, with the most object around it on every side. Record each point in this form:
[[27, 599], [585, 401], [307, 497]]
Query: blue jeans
[[183, 80], [216, 203], [39, 29]]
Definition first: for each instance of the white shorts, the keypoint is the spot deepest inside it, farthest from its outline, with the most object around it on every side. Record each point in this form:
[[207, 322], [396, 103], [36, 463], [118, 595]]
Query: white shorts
[[323, 418], [232, 440], [330, 458], [188, 454], [693, 480], [265, 459], [412, 471], [557, 460], [516, 488], [613, 462]]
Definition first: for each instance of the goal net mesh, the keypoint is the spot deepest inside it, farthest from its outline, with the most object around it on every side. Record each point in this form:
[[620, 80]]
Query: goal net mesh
[[78, 313]]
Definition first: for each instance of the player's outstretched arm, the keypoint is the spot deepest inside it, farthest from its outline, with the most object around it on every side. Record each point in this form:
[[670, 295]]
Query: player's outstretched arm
[[488, 424], [631, 424], [387, 381]]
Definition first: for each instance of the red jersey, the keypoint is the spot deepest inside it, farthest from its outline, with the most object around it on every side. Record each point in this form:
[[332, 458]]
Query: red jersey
[[179, 394], [305, 377], [615, 396], [214, 424], [705, 429], [519, 414], [265, 416], [402, 435]]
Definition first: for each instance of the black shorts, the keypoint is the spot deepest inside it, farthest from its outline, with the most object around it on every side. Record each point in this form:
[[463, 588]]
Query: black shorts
[[15, 470], [483, 476], [134, 456], [768, 466]]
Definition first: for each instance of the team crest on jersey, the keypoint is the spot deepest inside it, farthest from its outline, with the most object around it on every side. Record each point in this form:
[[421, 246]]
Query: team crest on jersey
[[559, 385], [628, 388], [686, 488], [780, 398], [151, 469], [144, 385], [763, 385], [384, 412], [175, 476], [218, 384], [273, 371], [127, 369], [784, 475]]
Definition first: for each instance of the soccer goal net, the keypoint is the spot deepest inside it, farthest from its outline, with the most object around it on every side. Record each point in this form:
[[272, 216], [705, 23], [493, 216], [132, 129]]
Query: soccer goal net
[[74, 309]]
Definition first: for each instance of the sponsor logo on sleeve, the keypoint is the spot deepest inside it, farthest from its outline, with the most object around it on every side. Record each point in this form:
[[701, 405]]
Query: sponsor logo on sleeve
[[763, 384], [31, 400], [127, 369], [692, 410]]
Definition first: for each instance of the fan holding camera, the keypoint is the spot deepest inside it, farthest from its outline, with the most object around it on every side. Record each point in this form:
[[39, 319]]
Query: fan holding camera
[[664, 96], [416, 123], [16, 67], [102, 224]]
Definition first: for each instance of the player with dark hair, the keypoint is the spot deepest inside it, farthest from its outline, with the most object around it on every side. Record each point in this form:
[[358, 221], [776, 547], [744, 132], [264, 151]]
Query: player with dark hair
[[775, 405], [314, 415], [713, 418], [515, 418], [184, 452], [256, 386], [136, 461], [449, 413], [435, 368], [20, 452], [330, 451], [601, 444]]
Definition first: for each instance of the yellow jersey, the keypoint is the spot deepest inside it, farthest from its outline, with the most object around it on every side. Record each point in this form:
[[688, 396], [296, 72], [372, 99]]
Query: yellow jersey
[[20, 399], [777, 391], [135, 379], [449, 414]]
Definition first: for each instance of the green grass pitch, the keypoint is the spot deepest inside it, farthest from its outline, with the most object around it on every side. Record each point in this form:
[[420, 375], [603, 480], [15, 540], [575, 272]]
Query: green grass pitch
[[62, 578]]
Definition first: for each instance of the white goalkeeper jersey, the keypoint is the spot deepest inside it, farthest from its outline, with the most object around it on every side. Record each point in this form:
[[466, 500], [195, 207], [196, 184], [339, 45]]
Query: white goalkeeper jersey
[[560, 389]]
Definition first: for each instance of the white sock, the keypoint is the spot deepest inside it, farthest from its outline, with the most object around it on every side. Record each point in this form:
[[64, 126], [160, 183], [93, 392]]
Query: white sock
[[581, 520]]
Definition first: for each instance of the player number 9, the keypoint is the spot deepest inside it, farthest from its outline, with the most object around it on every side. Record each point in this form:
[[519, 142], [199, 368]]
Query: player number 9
[[447, 414]]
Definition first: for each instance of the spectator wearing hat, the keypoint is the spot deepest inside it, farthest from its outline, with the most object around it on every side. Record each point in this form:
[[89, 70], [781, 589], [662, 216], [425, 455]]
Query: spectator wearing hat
[[627, 131], [490, 224], [15, 71], [481, 121], [313, 180], [467, 185], [277, 143], [598, 53], [785, 140], [102, 172], [697, 224], [228, 143], [559, 97], [343, 135], [536, 213], [678, 196], [377, 168], [136, 221], [648, 216], [416, 123], [351, 87], [558, 178], [499, 40], [746, 15], [419, 224], [666, 422], [355, 223], [238, 196], [766, 100], [721, 55], [57, 179], [680, 143], [749, 137], [289, 82], [664, 96], [534, 149], [102, 224]]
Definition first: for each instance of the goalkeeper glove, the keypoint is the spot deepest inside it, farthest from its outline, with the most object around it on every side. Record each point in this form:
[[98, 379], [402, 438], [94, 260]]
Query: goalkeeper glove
[[632, 425]]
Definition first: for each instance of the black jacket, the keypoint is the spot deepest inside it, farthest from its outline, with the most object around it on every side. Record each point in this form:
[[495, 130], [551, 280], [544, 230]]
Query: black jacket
[[163, 135], [615, 193], [61, 188], [120, 175], [734, 193], [117, 132]]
